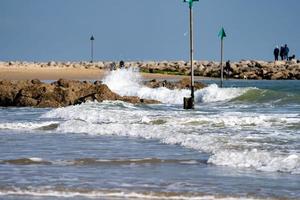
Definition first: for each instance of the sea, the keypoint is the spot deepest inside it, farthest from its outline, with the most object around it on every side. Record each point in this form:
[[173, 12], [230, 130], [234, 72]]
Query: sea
[[241, 141]]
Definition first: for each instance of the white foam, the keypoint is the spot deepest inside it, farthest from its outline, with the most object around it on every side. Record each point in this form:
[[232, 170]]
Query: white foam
[[239, 119], [116, 194], [259, 160], [220, 135], [95, 113], [26, 125], [127, 82], [35, 159], [214, 94]]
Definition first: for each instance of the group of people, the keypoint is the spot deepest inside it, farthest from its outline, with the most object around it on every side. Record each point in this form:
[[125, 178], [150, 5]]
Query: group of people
[[113, 65], [283, 52]]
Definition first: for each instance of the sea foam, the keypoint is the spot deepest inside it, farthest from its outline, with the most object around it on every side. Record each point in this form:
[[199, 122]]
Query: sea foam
[[260, 160], [218, 135], [232, 138], [128, 82], [113, 194], [26, 125]]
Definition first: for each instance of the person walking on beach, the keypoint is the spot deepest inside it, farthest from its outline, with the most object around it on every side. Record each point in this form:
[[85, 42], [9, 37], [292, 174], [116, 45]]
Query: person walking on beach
[[286, 52], [228, 69], [276, 53], [121, 64], [282, 53]]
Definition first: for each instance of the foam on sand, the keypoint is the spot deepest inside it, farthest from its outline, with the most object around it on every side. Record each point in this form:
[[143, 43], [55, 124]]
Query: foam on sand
[[113, 194]]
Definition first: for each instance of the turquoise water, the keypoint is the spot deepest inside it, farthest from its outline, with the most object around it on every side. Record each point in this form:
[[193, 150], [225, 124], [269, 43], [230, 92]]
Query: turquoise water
[[241, 142]]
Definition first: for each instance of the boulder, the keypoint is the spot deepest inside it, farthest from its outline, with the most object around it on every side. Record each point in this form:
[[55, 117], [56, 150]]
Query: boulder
[[57, 94], [8, 92], [185, 83], [51, 63], [281, 75], [249, 75]]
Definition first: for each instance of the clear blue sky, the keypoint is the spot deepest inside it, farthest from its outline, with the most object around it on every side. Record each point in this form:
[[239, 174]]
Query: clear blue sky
[[42, 30]]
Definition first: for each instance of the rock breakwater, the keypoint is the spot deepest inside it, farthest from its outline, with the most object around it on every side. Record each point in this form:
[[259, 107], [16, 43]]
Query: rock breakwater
[[245, 69], [185, 83], [60, 93]]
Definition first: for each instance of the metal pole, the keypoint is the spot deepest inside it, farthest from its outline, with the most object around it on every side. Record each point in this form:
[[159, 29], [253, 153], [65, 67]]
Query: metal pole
[[92, 50], [222, 67], [188, 103], [192, 54]]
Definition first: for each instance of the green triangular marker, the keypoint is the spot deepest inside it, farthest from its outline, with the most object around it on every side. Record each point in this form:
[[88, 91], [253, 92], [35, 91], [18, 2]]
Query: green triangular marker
[[222, 33], [190, 2]]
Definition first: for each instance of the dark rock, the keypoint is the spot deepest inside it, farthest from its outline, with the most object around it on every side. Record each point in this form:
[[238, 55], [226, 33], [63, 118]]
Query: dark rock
[[249, 75], [185, 83], [281, 75], [65, 83], [26, 101], [8, 92], [97, 82], [36, 81], [57, 94]]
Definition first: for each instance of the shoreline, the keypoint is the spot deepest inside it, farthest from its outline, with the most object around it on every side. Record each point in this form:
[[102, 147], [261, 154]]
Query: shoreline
[[203, 70], [29, 73], [54, 73]]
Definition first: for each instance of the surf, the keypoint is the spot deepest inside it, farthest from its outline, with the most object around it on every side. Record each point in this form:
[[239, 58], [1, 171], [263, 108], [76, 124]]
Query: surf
[[223, 126], [268, 96], [220, 135], [128, 82]]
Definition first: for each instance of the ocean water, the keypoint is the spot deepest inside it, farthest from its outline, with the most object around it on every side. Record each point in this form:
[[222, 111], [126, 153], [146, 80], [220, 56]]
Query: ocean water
[[240, 142]]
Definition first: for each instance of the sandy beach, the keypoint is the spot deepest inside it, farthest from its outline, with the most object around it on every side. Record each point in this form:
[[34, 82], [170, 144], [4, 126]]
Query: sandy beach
[[26, 73], [55, 73], [167, 70]]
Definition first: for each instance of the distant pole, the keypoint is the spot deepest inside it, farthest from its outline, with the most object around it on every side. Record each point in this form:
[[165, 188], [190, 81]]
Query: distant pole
[[222, 34], [92, 48], [189, 102]]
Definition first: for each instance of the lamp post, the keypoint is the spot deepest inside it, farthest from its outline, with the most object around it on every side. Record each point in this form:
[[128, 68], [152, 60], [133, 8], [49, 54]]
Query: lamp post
[[189, 102], [92, 48]]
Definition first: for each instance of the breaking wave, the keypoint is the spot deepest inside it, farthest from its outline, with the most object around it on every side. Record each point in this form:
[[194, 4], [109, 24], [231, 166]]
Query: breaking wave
[[259, 160], [236, 138], [228, 137], [269, 96], [128, 82], [48, 125]]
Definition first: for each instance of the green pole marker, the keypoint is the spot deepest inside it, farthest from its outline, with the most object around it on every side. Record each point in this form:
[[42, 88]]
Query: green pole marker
[[189, 102], [190, 2], [222, 35]]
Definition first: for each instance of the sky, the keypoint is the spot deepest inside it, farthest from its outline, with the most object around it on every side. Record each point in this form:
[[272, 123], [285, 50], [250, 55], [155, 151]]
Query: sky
[[60, 30]]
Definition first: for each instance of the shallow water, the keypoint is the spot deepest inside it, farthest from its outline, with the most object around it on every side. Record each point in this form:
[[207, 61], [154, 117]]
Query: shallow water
[[241, 142]]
